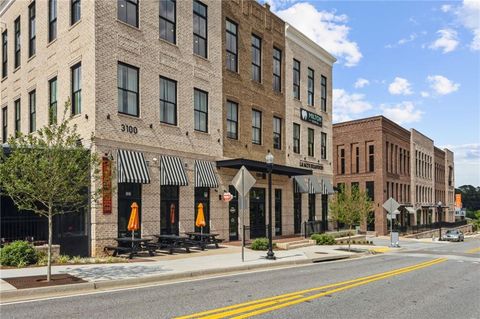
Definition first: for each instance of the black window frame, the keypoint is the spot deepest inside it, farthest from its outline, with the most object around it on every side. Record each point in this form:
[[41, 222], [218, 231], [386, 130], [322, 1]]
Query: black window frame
[[197, 36], [311, 142], [256, 128], [296, 138], [168, 22], [323, 145], [76, 109], [277, 64], [32, 30], [75, 11], [256, 44], [17, 120], [52, 20], [231, 122], [200, 112], [32, 111], [323, 98], [137, 114], [229, 53], [169, 102], [17, 44], [371, 158], [4, 53], [52, 109], [357, 159], [342, 161], [296, 79], [4, 124], [311, 87], [277, 133], [125, 18]]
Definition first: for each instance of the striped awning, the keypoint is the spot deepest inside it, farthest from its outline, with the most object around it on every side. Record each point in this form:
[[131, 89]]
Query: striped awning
[[301, 184], [172, 171], [205, 174], [132, 167], [327, 187]]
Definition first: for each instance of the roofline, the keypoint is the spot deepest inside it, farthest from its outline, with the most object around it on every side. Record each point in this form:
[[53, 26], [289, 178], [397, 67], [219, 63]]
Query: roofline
[[412, 129], [375, 117]]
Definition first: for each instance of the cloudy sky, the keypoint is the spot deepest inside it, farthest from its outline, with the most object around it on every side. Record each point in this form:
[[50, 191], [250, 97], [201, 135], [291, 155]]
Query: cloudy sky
[[416, 62]]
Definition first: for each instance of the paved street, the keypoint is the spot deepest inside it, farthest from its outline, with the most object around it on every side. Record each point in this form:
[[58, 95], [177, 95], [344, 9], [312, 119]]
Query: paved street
[[420, 283]]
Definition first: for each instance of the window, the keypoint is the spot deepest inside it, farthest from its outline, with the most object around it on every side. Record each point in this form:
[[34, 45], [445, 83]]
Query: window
[[357, 160], [32, 101], [277, 70], [323, 145], [52, 84], [168, 101], [199, 28], [18, 115], [311, 142], [296, 79], [371, 163], [355, 186], [32, 33], [128, 11], [256, 127], [201, 110], [168, 20], [311, 87], [4, 124], [324, 94], [4, 53], [256, 58], [76, 89], [232, 120], [17, 57], [75, 11], [342, 161], [277, 133], [127, 83], [52, 20], [296, 138], [232, 45], [370, 187]]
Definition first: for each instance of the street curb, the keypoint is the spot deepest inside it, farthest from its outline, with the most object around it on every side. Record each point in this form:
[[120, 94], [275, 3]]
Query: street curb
[[33, 293]]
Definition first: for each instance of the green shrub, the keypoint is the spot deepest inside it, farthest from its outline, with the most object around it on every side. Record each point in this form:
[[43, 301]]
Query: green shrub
[[323, 239], [62, 259], [18, 254], [259, 244]]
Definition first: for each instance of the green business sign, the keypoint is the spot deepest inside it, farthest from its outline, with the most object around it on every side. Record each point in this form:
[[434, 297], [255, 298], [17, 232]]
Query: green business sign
[[310, 117]]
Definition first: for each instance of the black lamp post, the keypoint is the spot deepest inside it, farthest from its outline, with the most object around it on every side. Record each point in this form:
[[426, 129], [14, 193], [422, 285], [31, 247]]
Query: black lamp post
[[269, 160], [439, 214]]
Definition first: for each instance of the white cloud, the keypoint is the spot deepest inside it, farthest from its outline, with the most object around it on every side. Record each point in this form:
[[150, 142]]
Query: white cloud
[[361, 82], [403, 41], [346, 105], [441, 85], [403, 112], [447, 41], [327, 29], [467, 160], [400, 86], [424, 94], [469, 16], [446, 7]]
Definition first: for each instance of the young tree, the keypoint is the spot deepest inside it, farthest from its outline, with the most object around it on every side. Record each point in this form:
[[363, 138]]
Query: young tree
[[351, 207], [50, 172]]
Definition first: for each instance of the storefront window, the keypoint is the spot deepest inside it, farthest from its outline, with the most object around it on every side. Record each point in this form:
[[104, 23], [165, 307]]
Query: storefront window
[[202, 195], [127, 194], [169, 210]]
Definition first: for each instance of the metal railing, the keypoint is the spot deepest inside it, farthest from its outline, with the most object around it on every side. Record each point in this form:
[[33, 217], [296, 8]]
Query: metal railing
[[426, 227]]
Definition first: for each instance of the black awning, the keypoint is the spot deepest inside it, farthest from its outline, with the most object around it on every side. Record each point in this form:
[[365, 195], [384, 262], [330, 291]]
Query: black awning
[[257, 166]]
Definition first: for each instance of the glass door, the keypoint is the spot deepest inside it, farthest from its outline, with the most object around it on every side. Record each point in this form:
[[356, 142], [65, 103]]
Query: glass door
[[169, 210], [202, 195], [257, 213], [278, 212], [127, 194]]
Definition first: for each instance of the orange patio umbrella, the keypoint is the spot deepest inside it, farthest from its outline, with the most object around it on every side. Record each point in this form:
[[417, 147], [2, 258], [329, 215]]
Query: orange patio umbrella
[[134, 221], [200, 221], [172, 213]]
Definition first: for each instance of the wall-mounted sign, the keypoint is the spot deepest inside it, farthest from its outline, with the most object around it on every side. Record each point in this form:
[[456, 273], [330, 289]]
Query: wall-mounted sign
[[310, 117], [129, 129], [311, 165], [227, 197], [106, 185]]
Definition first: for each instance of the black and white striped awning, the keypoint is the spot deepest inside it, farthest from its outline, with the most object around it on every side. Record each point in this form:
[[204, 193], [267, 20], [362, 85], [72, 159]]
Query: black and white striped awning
[[205, 174], [132, 167], [172, 171]]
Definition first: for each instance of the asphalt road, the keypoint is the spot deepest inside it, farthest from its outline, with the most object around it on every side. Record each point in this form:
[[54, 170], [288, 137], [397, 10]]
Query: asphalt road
[[439, 281]]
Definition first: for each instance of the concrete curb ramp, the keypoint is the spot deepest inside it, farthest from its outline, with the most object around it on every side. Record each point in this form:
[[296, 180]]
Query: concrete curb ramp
[[62, 290]]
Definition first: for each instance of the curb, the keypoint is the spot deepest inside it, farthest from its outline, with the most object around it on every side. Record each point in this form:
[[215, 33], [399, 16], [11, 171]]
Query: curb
[[62, 290]]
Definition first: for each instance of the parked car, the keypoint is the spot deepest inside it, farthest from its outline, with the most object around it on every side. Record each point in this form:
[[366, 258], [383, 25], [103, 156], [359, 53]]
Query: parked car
[[453, 235]]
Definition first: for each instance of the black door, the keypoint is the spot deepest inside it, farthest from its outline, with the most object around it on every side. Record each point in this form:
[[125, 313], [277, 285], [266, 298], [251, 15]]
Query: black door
[[325, 212], [169, 210], [297, 213], [202, 195], [233, 214], [311, 207], [127, 194], [278, 212], [257, 213]]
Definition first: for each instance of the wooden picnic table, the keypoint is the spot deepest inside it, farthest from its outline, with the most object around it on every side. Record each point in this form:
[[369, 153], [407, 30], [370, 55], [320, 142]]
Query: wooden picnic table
[[204, 239], [172, 242], [131, 246]]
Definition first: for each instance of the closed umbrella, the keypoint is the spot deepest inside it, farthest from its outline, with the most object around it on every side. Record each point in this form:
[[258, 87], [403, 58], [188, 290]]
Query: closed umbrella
[[172, 214], [200, 221], [134, 221]]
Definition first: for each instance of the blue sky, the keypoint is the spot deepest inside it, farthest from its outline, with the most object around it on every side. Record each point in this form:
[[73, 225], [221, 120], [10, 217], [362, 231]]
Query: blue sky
[[416, 62]]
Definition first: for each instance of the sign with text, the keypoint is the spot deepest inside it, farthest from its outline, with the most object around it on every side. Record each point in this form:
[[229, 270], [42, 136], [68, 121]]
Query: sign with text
[[311, 117], [106, 185], [311, 165]]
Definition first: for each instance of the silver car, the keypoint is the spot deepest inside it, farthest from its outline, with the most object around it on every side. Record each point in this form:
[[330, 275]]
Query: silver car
[[453, 235]]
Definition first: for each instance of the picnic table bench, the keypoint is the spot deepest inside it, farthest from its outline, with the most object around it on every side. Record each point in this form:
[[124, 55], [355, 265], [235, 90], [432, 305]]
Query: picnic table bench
[[130, 246], [204, 239], [171, 242]]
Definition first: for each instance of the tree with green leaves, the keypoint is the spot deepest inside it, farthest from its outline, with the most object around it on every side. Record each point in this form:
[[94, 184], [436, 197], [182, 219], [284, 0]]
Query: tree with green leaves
[[350, 206], [50, 172]]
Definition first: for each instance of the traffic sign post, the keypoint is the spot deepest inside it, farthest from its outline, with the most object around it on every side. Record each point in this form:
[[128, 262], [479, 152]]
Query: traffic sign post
[[391, 207]]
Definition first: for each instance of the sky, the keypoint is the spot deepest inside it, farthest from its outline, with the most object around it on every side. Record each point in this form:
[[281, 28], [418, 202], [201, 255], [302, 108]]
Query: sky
[[415, 62]]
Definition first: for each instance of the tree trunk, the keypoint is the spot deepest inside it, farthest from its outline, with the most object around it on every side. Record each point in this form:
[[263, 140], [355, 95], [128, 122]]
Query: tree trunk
[[49, 256]]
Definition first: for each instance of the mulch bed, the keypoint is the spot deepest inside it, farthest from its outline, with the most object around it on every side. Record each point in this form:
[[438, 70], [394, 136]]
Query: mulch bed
[[41, 281]]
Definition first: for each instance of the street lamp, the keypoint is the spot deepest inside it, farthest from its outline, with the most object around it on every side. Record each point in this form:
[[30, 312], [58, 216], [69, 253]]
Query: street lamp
[[439, 214], [269, 160]]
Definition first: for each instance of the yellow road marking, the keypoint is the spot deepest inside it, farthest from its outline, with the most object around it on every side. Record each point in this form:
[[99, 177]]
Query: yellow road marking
[[380, 249], [297, 293], [473, 250]]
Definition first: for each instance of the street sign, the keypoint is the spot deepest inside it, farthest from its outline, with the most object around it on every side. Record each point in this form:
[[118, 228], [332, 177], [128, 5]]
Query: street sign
[[391, 205], [243, 181], [227, 197], [390, 216]]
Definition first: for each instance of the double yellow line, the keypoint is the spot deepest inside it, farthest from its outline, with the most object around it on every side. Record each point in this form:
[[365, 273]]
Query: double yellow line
[[260, 306], [473, 250]]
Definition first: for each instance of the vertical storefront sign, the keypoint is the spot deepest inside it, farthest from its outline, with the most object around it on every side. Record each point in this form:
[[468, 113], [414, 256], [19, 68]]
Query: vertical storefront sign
[[106, 185]]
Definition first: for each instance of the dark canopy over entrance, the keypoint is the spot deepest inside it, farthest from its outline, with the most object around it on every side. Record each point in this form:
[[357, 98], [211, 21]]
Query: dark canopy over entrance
[[257, 166]]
